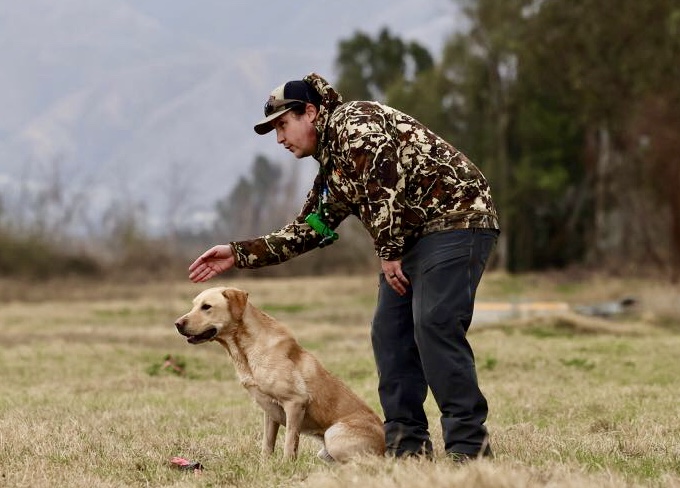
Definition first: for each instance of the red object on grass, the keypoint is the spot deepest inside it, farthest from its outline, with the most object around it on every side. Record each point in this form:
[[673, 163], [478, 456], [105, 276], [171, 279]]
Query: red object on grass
[[185, 464]]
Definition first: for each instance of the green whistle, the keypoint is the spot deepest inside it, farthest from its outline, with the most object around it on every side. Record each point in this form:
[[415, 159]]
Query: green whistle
[[315, 222]]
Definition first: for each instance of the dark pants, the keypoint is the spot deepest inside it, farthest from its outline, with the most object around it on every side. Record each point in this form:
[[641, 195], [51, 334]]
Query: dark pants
[[419, 340]]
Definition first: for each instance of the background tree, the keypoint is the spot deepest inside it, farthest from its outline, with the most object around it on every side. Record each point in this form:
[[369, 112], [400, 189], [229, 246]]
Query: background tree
[[178, 190], [613, 56], [368, 67], [482, 65], [562, 105], [259, 202], [653, 136]]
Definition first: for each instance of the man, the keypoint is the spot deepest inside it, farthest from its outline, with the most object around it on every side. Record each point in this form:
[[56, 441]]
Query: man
[[434, 224]]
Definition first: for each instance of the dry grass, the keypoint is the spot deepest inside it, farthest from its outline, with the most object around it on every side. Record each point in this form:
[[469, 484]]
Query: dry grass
[[85, 401]]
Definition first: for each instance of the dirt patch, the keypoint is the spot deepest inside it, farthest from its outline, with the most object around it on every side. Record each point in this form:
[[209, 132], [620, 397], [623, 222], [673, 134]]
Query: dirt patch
[[572, 323]]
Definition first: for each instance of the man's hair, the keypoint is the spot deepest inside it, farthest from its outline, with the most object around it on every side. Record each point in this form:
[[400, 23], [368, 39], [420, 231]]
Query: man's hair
[[300, 108]]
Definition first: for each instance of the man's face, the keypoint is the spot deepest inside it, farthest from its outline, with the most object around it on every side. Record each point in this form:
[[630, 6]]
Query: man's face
[[297, 132]]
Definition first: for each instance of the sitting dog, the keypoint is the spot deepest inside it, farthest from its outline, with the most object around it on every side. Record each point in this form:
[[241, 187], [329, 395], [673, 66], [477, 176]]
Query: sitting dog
[[288, 382]]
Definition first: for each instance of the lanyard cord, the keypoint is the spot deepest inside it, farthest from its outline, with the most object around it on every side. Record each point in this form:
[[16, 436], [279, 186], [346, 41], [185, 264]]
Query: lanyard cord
[[323, 200], [323, 192], [316, 220]]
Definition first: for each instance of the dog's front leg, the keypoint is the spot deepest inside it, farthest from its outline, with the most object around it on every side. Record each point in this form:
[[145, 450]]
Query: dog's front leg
[[295, 413], [270, 429]]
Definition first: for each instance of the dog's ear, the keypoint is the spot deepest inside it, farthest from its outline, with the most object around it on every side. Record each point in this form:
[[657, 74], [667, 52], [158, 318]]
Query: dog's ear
[[237, 300]]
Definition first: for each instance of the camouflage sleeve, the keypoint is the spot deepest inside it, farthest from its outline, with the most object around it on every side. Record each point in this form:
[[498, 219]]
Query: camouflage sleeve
[[376, 157], [292, 240]]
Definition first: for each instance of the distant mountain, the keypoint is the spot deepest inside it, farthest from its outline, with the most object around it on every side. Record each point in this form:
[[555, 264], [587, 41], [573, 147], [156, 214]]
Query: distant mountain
[[143, 100]]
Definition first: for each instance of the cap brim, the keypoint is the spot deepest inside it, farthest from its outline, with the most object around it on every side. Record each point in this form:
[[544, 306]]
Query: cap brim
[[265, 125]]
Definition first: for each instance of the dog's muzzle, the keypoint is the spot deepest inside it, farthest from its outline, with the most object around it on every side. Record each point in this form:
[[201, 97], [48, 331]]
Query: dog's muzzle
[[204, 336]]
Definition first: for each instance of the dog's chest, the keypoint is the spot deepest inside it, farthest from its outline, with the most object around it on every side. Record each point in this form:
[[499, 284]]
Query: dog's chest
[[268, 403], [270, 380], [274, 384], [270, 390]]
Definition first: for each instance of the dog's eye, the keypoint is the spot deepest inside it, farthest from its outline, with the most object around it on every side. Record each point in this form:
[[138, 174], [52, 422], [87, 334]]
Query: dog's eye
[[205, 306]]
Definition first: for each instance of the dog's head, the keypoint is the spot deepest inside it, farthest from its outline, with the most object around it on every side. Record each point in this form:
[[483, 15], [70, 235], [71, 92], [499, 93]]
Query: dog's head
[[214, 311]]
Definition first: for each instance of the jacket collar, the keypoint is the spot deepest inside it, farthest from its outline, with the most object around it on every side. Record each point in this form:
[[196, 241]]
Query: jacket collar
[[330, 100]]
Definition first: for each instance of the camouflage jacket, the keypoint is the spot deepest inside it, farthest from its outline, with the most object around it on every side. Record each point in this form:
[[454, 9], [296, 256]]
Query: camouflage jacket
[[386, 168]]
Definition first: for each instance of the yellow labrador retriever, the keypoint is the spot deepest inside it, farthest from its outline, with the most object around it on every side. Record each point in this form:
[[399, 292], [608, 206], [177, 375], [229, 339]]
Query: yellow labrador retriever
[[288, 382]]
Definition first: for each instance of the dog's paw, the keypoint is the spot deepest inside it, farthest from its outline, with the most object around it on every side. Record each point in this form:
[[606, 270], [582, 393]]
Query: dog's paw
[[325, 456]]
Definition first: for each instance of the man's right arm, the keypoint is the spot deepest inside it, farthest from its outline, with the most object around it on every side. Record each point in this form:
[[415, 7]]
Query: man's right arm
[[290, 241]]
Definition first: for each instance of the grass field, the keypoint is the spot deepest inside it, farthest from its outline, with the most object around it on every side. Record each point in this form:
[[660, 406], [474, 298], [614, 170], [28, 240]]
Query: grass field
[[86, 401]]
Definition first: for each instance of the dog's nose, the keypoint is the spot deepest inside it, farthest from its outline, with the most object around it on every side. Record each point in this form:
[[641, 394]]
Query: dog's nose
[[180, 323]]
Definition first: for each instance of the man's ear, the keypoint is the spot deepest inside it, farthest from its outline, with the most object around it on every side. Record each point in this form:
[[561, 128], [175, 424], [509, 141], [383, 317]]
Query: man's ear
[[236, 300], [311, 111]]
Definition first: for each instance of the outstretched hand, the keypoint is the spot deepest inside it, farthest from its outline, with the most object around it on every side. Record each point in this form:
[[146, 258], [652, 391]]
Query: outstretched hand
[[214, 261]]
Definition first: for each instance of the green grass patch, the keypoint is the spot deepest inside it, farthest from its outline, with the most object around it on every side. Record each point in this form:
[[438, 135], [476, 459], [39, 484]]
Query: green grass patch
[[578, 363]]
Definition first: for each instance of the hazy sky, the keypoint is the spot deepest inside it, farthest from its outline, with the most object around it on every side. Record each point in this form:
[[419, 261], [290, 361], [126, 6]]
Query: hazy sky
[[123, 93]]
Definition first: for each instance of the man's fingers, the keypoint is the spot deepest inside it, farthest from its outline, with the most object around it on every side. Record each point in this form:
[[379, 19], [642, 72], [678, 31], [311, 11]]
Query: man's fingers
[[399, 288], [196, 264], [200, 274], [202, 259], [397, 282]]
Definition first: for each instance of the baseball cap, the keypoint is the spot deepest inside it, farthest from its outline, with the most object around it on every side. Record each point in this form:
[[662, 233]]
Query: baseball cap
[[282, 99]]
